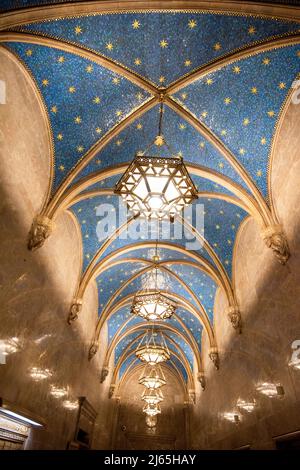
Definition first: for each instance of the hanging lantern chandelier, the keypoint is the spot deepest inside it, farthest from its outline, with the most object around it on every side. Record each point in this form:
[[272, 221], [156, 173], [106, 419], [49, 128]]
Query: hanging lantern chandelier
[[152, 377], [152, 397], [150, 303], [151, 421], [151, 410], [153, 348], [156, 186]]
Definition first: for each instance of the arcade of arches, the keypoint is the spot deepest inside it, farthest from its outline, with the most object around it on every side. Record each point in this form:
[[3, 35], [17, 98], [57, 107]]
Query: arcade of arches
[[83, 88]]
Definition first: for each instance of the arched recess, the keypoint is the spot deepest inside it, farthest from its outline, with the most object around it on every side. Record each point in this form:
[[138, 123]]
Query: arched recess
[[31, 155], [163, 326]]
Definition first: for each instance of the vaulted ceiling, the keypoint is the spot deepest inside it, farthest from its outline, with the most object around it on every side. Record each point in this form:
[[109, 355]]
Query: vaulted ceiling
[[224, 78]]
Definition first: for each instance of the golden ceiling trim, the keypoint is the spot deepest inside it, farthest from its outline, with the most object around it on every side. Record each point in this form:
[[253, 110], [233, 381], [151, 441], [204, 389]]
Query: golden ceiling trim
[[81, 51], [212, 254], [162, 326], [127, 353], [201, 194], [121, 329], [205, 266], [203, 317], [90, 8], [136, 365], [235, 56], [225, 152], [44, 114], [66, 199], [178, 298]]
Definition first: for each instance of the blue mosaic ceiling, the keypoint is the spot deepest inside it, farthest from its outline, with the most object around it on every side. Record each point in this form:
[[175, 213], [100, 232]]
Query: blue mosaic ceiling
[[239, 102]]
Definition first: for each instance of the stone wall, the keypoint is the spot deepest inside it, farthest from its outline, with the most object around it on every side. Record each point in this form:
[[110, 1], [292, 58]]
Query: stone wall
[[269, 299], [37, 287]]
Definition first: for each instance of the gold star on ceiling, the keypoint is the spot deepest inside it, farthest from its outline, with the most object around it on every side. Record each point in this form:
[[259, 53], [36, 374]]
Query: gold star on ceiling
[[192, 24], [221, 165], [246, 121], [109, 46], [61, 59], [137, 61], [182, 126], [202, 145], [59, 136], [259, 173], [187, 63], [223, 132], [80, 148], [61, 168], [266, 61], [97, 100], [254, 90], [54, 109], [251, 30], [217, 46], [89, 68], [136, 24], [184, 96], [98, 130], [72, 89], [242, 151], [204, 114], [209, 81], [163, 43], [77, 120], [263, 141], [29, 52], [139, 96], [271, 113], [162, 79], [236, 69], [282, 85], [98, 162], [119, 143], [118, 113], [45, 82], [139, 126], [227, 100], [78, 30], [116, 81]]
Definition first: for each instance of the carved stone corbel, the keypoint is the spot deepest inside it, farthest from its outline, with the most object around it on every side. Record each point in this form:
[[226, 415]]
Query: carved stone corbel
[[111, 391], [201, 379], [275, 239], [93, 349], [40, 229], [214, 357], [104, 374], [192, 396], [74, 310], [234, 317]]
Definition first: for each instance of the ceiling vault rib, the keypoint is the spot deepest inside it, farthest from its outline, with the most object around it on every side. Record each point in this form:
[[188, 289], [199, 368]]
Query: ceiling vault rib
[[52, 12], [127, 353], [204, 320], [79, 50], [127, 300], [293, 38], [118, 338], [217, 143], [178, 318]]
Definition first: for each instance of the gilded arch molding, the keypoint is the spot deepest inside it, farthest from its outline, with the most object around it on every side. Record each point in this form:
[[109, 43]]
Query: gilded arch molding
[[127, 353], [136, 366], [144, 325]]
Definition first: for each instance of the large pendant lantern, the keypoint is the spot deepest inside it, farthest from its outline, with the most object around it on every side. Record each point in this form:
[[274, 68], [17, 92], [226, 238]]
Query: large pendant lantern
[[153, 348], [152, 377], [156, 186]]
